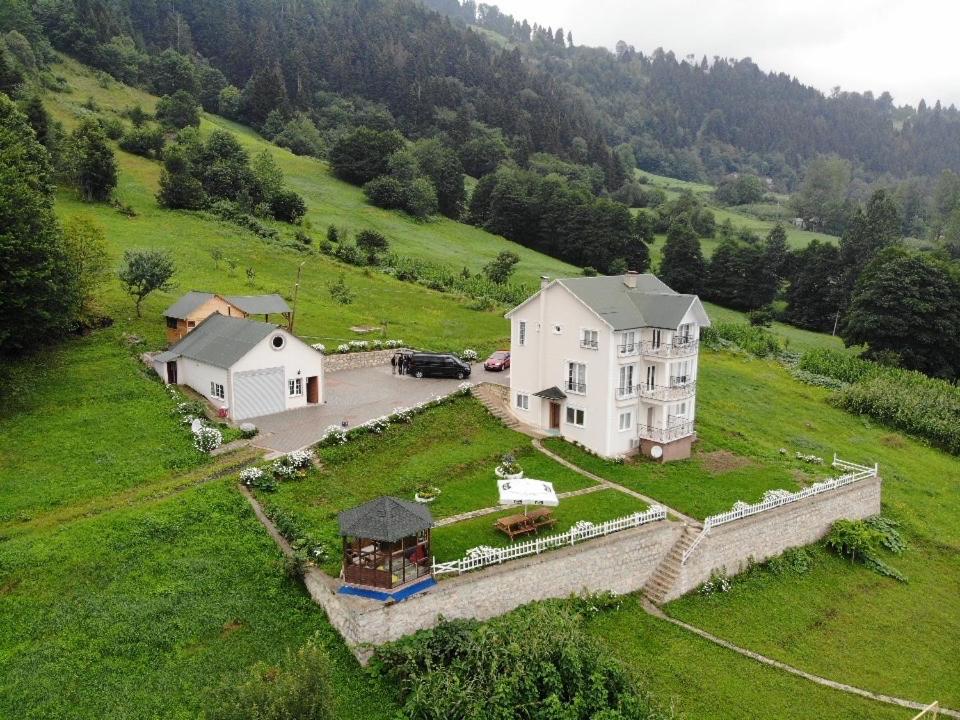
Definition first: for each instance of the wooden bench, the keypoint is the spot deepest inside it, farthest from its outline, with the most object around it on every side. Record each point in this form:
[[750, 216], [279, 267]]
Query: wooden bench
[[514, 525]]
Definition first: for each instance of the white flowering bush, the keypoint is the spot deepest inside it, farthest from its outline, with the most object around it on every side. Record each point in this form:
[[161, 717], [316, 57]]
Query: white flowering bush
[[343, 348], [392, 343], [718, 583], [356, 345], [301, 459], [812, 459], [206, 439], [319, 347], [776, 495], [283, 469], [377, 425], [483, 552], [402, 415], [582, 527], [464, 387], [469, 355], [251, 476], [335, 435], [740, 505]]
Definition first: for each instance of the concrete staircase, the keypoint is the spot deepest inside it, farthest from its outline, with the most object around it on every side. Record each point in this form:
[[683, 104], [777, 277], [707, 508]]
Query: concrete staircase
[[665, 576], [494, 398]]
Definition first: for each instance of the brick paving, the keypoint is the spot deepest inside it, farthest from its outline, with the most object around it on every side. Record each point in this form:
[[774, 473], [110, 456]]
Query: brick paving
[[355, 396]]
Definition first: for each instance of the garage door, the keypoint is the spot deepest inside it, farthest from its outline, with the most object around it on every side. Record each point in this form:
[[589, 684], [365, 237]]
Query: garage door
[[258, 392]]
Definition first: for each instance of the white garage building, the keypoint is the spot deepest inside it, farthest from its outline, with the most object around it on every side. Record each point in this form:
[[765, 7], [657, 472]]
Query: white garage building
[[245, 367]]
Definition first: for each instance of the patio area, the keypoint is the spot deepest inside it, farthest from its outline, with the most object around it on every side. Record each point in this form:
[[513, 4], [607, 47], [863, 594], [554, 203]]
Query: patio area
[[356, 396]]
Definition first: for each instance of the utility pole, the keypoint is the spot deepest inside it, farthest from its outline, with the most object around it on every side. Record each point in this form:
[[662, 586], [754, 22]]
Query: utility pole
[[296, 291]]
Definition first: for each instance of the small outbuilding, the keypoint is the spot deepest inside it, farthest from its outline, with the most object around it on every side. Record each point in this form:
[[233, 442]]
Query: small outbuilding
[[245, 368], [195, 307], [386, 543]]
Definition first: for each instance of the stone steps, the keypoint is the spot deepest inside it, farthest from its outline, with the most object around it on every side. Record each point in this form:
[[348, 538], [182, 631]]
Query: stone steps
[[665, 576], [495, 402]]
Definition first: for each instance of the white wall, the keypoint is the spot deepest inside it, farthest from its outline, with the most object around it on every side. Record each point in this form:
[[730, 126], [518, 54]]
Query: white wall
[[296, 358], [199, 376]]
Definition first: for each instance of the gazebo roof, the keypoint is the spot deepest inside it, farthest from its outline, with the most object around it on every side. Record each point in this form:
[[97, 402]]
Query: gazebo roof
[[387, 519]]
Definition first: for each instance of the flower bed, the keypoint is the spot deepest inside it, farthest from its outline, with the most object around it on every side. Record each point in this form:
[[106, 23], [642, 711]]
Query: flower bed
[[357, 346]]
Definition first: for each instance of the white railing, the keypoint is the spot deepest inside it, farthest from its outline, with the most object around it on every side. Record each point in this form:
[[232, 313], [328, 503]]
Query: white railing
[[668, 434], [624, 393], [783, 497], [495, 556], [668, 392], [670, 350]]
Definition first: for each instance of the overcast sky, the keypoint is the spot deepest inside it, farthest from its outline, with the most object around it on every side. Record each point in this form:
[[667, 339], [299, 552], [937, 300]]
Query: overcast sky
[[905, 47]]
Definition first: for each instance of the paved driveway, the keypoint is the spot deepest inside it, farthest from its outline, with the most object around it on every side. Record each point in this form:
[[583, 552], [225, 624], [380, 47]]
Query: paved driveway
[[355, 396]]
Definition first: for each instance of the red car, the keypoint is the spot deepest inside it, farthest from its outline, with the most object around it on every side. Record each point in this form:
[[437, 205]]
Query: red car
[[500, 360]]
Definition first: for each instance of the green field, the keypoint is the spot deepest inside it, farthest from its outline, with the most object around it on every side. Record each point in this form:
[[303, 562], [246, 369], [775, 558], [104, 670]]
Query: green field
[[133, 578]]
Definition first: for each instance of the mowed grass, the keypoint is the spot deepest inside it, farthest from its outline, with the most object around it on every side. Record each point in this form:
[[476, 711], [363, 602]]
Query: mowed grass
[[83, 420], [840, 620], [794, 339], [451, 542], [454, 446], [137, 613]]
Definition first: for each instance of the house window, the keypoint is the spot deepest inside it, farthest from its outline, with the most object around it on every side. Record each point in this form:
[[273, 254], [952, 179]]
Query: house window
[[575, 416], [628, 342], [216, 390], [626, 420], [523, 401], [679, 412], [278, 341], [590, 339], [683, 334], [656, 339], [651, 377], [522, 333], [626, 381], [576, 377], [191, 323], [172, 323], [680, 373], [295, 387]]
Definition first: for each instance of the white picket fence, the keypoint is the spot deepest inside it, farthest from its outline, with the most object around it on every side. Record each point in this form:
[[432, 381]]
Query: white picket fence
[[495, 556], [854, 473]]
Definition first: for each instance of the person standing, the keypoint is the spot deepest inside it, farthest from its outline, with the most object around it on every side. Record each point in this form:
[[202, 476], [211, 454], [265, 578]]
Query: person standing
[[393, 364]]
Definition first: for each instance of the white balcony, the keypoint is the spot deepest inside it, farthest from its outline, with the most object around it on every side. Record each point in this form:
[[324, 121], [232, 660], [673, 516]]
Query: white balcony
[[670, 350], [628, 349], [667, 434], [672, 392], [626, 393]]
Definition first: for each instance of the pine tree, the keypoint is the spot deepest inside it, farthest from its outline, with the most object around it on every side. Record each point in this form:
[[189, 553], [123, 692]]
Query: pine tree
[[38, 293], [682, 266]]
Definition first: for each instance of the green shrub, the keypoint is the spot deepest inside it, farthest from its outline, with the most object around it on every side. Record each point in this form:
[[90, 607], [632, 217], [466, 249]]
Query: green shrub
[[749, 338], [538, 662], [300, 689], [838, 365], [862, 540], [796, 561]]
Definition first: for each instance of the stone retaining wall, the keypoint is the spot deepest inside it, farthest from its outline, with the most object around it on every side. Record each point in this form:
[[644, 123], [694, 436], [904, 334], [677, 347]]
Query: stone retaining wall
[[354, 361], [619, 563], [731, 546]]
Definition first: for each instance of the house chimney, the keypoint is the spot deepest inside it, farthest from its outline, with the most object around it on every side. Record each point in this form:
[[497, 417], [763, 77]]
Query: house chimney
[[544, 281], [630, 279]]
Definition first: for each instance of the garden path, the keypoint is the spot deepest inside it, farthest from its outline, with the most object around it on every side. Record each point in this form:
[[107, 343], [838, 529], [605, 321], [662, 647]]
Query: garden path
[[843, 687], [612, 485]]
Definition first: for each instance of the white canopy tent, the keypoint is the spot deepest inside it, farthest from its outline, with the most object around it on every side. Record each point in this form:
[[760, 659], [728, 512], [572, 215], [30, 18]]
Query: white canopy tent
[[527, 491]]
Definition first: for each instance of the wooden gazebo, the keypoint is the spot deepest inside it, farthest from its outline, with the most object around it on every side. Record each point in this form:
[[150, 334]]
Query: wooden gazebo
[[386, 543]]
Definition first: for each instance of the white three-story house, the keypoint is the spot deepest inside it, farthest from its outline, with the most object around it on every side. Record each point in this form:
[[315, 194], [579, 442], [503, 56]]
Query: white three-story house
[[609, 362]]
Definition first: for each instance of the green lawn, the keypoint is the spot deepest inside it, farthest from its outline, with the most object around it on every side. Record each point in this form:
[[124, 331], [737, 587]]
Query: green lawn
[[451, 542], [455, 447], [795, 339], [136, 613], [67, 436]]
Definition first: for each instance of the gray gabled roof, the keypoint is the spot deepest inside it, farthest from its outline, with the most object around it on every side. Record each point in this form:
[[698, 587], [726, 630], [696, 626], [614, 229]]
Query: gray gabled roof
[[221, 341], [250, 304], [387, 519], [182, 308], [259, 304], [650, 304]]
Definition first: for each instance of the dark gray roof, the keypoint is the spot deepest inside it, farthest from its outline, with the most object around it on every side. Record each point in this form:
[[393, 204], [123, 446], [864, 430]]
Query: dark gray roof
[[551, 393], [650, 304], [387, 519], [182, 308], [221, 341], [259, 304], [250, 304]]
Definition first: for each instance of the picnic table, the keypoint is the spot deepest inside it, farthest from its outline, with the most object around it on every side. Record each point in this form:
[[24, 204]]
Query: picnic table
[[524, 523]]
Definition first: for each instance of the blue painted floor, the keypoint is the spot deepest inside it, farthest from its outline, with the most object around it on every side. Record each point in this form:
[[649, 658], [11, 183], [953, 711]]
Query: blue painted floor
[[382, 596]]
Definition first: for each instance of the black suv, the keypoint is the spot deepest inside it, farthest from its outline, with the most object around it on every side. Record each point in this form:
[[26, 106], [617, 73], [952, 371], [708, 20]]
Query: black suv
[[438, 366]]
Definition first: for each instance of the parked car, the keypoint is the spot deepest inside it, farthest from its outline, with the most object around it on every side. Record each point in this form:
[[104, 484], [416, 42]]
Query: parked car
[[500, 360], [439, 366]]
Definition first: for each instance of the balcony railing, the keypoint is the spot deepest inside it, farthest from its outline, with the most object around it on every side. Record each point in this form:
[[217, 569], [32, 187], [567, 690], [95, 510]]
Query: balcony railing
[[667, 434], [671, 350], [576, 387], [673, 391], [628, 349], [630, 391], [589, 344]]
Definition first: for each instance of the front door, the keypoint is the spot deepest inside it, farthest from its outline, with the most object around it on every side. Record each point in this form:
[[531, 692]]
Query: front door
[[554, 416], [313, 390], [172, 372]]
